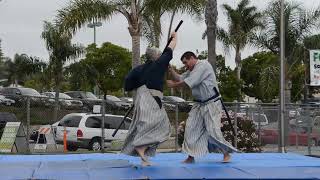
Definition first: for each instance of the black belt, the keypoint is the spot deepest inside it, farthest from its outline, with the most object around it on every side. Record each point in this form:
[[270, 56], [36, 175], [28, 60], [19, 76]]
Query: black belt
[[217, 94], [158, 100], [213, 97]]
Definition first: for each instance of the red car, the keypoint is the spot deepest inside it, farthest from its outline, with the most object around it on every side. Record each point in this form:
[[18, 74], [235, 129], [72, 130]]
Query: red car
[[297, 135]]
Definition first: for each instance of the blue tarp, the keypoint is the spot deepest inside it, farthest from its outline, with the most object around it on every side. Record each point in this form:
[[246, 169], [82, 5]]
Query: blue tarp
[[165, 166]]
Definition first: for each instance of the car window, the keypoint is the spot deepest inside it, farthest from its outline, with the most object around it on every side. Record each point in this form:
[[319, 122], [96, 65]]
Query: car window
[[259, 117], [111, 122], [29, 91], [70, 121], [116, 120], [14, 92], [49, 95], [88, 95], [72, 94], [64, 96], [113, 98], [6, 91], [95, 122]]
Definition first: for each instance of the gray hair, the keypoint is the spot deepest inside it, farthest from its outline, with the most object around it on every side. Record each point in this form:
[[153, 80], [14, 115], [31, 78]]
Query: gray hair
[[152, 53]]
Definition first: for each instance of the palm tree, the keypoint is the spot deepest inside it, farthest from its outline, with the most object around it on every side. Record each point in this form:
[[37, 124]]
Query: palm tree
[[151, 27], [299, 23], [243, 22], [80, 12], [137, 13], [60, 50], [155, 11], [211, 16]]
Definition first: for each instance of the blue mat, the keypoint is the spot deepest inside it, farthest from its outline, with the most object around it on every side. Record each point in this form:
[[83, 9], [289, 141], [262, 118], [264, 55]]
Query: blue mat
[[165, 166]]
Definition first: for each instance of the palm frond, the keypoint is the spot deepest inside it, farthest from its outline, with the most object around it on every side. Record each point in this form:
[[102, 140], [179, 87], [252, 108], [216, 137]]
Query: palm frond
[[224, 37], [79, 12]]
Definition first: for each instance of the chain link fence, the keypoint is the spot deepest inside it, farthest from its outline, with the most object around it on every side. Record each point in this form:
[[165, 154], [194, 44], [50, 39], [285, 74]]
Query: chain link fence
[[74, 118]]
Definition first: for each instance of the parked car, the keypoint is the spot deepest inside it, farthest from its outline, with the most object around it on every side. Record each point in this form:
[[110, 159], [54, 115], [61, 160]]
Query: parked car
[[270, 135], [19, 94], [127, 100], [170, 103], [303, 122], [118, 103], [6, 101], [294, 114], [256, 118], [84, 130], [87, 98], [64, 100]]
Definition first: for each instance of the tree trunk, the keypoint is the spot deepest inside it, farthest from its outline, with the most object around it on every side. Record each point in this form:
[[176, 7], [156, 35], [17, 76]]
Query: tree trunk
[[58, 78], [135, 26], [135, 51], [157, 29], [211, 15], [238, 66], [56, 98]]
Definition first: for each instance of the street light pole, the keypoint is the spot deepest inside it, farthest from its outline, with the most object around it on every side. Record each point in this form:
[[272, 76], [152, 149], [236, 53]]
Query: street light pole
[[282, 79], [94, 25]]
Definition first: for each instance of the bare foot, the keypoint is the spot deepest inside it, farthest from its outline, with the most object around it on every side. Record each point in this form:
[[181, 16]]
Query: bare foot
[[226, 158], [145, 162], [189, 160]]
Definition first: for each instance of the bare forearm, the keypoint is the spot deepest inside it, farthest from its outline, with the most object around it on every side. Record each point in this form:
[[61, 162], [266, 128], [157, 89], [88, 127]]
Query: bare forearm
[[177, 84], [175, 75], [180, 84]]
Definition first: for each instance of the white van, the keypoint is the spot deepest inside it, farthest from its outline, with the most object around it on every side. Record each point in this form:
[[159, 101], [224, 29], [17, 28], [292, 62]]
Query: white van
[[84, 130]]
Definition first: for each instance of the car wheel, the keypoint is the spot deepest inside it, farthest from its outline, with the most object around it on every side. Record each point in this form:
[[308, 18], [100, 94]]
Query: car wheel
[[95, 144], [72, 147]]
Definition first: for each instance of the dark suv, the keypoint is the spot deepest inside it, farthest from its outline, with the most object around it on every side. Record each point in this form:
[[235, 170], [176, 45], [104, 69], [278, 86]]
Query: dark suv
[[87, 98], [19, 94]]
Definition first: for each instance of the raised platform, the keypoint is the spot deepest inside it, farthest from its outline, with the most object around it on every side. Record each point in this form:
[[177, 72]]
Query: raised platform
[[166, 166]]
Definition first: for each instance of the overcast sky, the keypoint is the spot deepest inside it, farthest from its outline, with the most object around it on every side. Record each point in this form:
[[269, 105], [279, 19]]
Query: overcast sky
[[21, 24]]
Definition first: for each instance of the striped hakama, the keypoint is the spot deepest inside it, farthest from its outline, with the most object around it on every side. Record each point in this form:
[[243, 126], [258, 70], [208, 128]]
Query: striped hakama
[[150, 125], [203, 133]]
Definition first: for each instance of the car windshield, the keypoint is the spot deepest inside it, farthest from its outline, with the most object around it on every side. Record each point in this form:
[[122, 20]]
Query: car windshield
[[28, 91], [127, 99], [64, 96], [89, 95], [176, 99], [113, 98]]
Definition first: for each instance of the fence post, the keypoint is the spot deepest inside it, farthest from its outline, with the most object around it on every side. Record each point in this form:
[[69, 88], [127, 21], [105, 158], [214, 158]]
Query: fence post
[[28, 123], [102, 125], [176, 128], [309, 129], [237, 107], [259, 122]]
